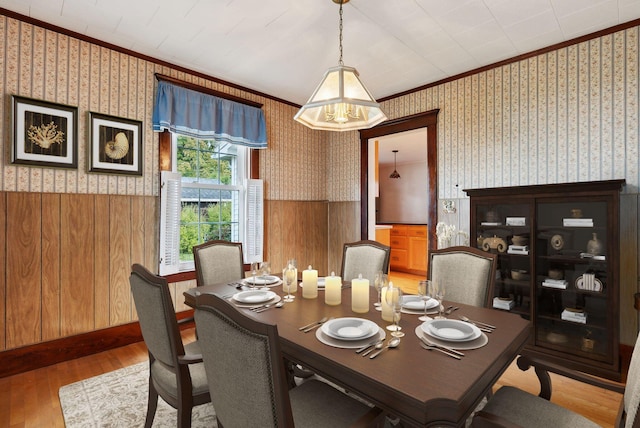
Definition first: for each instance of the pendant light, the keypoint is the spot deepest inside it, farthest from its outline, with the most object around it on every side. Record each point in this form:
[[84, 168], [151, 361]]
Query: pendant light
[[340, 102], [394, 174]]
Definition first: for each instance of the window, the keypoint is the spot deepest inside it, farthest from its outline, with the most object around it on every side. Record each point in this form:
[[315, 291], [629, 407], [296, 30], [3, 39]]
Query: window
[[206, 199]]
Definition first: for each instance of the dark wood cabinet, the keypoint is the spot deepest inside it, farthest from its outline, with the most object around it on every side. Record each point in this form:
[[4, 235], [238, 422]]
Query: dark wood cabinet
[[558, 266]]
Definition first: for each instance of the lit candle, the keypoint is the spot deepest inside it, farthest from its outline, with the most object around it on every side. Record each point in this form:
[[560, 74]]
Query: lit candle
[[309, 283], [387, 311], [360, 295], [333, 290]]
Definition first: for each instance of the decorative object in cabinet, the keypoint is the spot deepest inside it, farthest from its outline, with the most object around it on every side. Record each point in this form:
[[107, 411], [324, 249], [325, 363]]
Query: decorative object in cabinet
[[560, 269]]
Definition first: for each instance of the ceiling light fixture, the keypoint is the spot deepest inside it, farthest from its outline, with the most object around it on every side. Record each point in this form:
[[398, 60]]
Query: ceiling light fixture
[[394, 174], [340, 102]]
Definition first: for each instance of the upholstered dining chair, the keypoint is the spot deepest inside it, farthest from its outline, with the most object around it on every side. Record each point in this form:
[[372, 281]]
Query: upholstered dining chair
[[512, 407], [218, 261], [467, 273], [176, 371], [244, 364], [364, 257]]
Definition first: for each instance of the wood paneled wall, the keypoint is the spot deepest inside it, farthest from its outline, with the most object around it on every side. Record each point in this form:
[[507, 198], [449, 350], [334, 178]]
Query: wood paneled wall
[[296, 229], [66, 261]]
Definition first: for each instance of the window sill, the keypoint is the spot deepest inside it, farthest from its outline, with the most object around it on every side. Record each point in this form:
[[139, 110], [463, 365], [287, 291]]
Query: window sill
[[181, 276]]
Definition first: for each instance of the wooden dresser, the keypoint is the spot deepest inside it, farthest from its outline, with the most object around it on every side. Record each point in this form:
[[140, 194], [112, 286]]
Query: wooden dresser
[[409, 248]]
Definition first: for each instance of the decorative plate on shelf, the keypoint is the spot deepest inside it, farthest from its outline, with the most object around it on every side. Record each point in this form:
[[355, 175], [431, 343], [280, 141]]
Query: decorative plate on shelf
[[557, 242]]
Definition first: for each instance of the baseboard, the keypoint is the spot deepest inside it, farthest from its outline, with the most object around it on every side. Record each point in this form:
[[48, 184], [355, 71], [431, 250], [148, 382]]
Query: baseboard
[[44, 354]]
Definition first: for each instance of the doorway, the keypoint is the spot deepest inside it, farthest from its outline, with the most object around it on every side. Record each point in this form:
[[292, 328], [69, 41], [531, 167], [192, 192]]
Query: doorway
[[428, 120]]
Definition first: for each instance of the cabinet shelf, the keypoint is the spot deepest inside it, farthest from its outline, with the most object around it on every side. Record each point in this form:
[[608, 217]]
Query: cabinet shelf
[[557, 249]]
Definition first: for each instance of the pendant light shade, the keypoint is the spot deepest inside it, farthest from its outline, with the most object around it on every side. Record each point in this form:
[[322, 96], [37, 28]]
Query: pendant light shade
[[394, 174], [341, 102]]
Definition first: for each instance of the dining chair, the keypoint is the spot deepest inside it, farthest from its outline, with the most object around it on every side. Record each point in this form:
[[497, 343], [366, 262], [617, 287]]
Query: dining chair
[[218, 261], [364, 257], [512, 407], [176, 370], [248, 380], [467, 273]]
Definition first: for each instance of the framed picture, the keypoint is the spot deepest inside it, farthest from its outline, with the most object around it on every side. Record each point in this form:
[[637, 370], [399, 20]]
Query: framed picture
[[115, 145], [44, 133]]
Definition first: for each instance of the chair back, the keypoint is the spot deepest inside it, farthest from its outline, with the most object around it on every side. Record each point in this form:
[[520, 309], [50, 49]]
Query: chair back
[[156, 315], [217, 262], [243, 361], [467, 273], [631, 398], [364, 257]]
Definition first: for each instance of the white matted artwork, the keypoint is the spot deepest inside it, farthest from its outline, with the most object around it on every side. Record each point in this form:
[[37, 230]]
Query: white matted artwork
[[44, 133], [115, 145]]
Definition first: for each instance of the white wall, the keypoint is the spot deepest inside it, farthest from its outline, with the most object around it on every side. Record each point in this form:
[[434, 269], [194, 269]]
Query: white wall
[[404, 200]]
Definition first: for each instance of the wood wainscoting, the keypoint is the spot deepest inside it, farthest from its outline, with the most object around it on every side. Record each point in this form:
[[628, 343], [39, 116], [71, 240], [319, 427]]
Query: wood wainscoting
[[66, 260]]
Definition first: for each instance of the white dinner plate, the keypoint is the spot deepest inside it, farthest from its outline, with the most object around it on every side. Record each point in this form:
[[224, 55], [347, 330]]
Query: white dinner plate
[[262, 280], [254, 296], [451, 330], [415, 303], [349, 344], [349, 328]]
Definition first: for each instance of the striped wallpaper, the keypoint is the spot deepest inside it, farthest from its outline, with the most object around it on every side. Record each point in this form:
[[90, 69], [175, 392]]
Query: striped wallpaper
[[567, 115]]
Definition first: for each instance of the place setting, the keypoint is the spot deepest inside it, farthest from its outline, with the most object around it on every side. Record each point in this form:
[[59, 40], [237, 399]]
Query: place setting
[[256, 299], [451, 336], [261, 276], [350, 333]]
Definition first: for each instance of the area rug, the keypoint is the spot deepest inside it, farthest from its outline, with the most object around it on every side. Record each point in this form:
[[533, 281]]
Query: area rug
[[119, 399]]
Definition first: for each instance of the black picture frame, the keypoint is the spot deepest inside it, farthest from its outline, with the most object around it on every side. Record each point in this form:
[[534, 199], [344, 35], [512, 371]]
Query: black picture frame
[[44, 134], [115, 145]]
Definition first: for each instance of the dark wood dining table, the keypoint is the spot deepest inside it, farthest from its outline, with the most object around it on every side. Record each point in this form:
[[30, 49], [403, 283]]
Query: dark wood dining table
[[421, 387]]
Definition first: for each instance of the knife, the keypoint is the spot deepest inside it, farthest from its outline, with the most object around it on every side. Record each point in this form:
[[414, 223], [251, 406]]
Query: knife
[[311, 324], [368, 345], [453, 351]]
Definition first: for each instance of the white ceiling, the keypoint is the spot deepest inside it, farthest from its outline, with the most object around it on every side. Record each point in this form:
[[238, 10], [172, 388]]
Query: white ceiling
[[282, 48]]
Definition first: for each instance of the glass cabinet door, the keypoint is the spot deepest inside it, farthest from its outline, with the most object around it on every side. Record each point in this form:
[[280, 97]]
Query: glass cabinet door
[[505, 229], [571, 277]]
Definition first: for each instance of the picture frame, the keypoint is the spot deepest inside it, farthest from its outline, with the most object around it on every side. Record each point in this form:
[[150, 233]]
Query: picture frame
[[44, 134], [115, 145]]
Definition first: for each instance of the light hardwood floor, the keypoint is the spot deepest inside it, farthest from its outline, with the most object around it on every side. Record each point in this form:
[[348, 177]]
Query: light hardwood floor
[[31, 399]]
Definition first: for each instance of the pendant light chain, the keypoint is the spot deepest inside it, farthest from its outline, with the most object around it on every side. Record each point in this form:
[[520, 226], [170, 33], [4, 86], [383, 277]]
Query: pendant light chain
[[340, 61]]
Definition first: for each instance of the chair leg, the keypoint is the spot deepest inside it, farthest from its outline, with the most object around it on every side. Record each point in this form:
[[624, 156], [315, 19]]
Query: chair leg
[[185, 405], [152, 404]]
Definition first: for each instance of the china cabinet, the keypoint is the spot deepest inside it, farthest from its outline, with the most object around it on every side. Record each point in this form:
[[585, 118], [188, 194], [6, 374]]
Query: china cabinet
[[558, 266]]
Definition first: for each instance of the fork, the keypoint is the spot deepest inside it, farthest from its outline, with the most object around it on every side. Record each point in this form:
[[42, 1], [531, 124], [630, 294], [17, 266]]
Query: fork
[[444, 348]]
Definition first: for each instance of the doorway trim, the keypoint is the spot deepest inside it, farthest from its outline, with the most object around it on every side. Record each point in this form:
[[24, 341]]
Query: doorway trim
[[427, 120]]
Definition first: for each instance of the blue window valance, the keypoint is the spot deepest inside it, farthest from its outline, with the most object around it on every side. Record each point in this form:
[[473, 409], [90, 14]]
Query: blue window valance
[[201, 115]]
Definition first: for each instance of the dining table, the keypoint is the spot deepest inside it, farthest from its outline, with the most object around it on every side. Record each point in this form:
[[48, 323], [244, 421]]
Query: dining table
[[421, 387]]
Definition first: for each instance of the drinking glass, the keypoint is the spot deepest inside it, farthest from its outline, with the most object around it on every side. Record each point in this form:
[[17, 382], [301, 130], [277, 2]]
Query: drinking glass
[[438, 293], [424, 291], [393, 298], [265, 269], [378, 284], [289, 277], [254, 272]]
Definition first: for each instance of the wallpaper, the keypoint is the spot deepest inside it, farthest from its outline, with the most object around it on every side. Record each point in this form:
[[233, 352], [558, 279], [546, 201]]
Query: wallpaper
[[567, 115], [50, 66]]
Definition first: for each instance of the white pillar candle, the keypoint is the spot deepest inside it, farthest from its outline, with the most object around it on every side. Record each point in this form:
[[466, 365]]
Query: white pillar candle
[[333, 290], [294, 284], [360, 295], [387, 311], [309, 283]]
